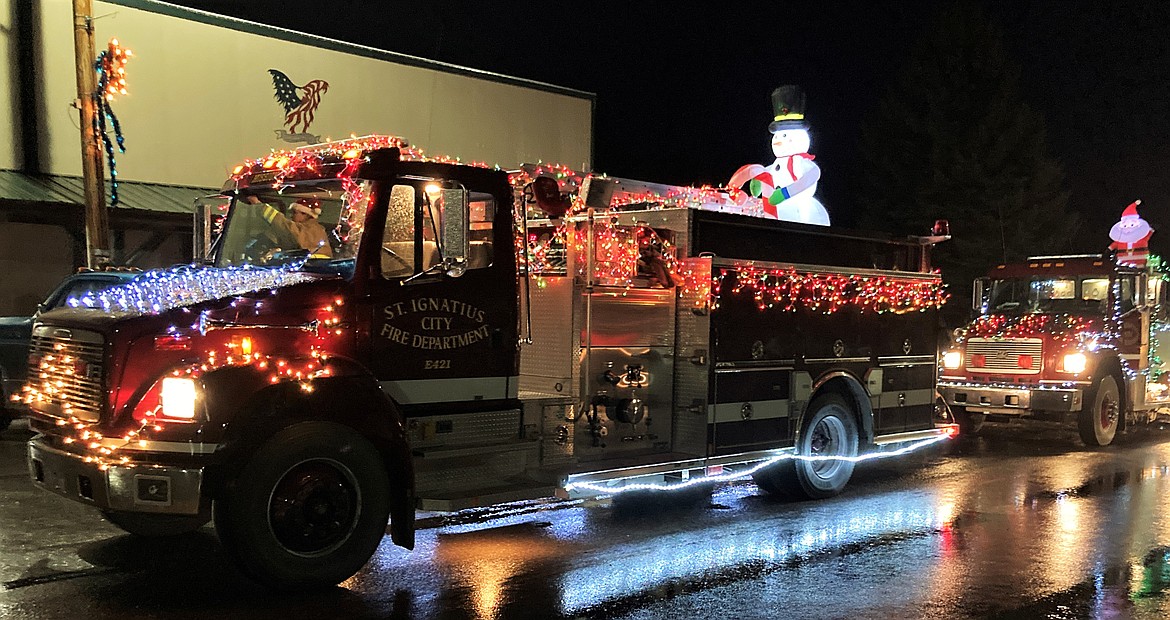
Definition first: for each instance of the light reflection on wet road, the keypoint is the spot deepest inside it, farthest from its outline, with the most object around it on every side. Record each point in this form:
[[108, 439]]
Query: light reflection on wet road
[[996, 526]]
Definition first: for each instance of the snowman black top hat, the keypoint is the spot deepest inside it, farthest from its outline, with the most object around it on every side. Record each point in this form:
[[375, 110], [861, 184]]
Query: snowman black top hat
[[787, 109]]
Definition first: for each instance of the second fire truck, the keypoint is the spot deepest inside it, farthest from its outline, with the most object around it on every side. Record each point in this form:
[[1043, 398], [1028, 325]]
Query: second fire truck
[[1078, 339]]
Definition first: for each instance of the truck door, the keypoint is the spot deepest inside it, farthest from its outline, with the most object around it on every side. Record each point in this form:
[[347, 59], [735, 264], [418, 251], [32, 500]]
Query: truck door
[[1135, 322], [442, 333]]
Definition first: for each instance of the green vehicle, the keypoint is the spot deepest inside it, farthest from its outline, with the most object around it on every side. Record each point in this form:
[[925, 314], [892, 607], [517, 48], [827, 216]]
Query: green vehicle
[[16, 332]]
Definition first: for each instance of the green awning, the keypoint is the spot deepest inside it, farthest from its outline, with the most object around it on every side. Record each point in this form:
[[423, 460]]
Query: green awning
[[55, 188]]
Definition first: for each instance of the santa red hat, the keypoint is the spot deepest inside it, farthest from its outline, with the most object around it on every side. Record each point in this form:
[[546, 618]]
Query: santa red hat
[[1131, 210], [313, 211]]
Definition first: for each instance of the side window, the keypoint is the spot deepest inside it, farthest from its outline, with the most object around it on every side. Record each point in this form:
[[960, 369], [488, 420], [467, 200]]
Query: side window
[[483, 214], [398, 237], [1125, 290], [407, 251]]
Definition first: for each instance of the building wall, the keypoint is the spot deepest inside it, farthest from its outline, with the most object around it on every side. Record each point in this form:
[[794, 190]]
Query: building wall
[[201, 98], [23, 246]]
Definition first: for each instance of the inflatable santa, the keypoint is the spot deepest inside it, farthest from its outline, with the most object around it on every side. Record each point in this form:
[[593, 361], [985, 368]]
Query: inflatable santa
[[788, 185], [1131, 237]]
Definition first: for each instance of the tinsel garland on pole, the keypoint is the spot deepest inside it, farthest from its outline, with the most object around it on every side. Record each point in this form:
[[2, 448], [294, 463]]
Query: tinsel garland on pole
[[111, 69]]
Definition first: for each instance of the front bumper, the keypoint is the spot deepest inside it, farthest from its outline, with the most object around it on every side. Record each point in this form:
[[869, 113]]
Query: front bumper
[[1011, 400], [123, 487]]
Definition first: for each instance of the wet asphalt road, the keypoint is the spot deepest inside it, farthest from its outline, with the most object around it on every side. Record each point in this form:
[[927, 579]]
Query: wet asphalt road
[[1017, 523]]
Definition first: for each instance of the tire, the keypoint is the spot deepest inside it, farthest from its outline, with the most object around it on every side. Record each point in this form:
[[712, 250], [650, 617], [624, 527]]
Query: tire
[[308, 509], [830, 429], [969, 423], [5, 420], [1100, 418], [155, 525]]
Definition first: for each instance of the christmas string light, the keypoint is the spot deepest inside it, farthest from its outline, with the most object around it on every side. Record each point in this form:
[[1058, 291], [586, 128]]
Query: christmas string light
[[56, 369], [788, 289], [340, 159], [165, 289], [1059, 327], [604, 489]]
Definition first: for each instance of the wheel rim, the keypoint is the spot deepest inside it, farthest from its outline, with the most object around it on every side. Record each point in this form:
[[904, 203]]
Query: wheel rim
[[1107, 416], [827, 439], [315, 507]]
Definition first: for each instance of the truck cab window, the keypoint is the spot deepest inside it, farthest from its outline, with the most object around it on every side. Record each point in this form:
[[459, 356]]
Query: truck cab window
[[410, 204], [302, 221], [483, 215], [1125, 290], [398, 239]]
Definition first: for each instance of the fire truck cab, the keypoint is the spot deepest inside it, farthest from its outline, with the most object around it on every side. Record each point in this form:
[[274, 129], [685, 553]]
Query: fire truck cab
[[1077, 339], [473, 336]]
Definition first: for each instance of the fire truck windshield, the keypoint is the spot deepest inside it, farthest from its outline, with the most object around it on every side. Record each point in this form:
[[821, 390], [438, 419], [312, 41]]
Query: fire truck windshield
[[316, 223], [1064, 294]]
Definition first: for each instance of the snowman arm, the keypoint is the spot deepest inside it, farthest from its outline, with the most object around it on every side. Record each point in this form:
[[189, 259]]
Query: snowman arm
[[803, 182], [744, 174]]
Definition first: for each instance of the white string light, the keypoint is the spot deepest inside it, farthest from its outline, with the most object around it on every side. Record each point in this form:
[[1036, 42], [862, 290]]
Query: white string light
[[160, 290], [608, 490]]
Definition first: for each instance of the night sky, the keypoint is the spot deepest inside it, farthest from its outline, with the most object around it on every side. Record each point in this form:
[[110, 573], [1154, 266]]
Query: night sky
[[682, 91]]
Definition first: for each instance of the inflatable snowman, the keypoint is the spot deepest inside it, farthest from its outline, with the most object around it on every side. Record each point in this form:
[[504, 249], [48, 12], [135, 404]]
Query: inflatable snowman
[[788, 186], [1131, 237]]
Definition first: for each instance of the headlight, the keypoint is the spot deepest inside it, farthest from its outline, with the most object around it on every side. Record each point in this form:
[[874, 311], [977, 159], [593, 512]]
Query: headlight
[[952, 360], [1075, 362], [178, 398]]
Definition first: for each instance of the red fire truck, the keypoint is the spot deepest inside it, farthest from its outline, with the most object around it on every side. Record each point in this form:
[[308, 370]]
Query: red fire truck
[[474, 336], [1073, 339]]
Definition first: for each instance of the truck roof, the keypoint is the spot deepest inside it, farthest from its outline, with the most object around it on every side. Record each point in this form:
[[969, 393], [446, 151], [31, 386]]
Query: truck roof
[[1081, 264]]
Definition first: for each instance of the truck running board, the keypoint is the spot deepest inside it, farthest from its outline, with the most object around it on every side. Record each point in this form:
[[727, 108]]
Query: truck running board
[[486, 497]]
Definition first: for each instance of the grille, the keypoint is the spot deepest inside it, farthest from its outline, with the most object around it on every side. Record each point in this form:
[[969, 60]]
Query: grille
[[1002, 356], [66, 372]]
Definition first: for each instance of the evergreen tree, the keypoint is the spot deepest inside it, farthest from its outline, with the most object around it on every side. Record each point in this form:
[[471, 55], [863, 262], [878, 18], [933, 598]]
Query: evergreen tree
[[952, 139]]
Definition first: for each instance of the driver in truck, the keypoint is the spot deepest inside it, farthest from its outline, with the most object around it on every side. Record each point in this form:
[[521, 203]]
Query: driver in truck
[[298, 229]]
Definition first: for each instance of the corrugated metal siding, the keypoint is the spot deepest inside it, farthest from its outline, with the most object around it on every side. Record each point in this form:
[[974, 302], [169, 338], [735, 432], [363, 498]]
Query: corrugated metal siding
[[158, 197]]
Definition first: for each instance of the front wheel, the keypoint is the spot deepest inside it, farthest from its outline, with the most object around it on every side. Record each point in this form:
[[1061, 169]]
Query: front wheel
[[969, 423], [308, 510], [825, 450], [1099, 419]]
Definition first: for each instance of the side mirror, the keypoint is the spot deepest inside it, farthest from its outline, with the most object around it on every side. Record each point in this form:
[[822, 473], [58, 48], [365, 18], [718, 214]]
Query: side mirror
[[979, 289], [210, 212], [456, 243]]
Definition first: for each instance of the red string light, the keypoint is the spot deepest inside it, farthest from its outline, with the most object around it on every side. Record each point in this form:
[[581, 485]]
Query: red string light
[[788, 289]]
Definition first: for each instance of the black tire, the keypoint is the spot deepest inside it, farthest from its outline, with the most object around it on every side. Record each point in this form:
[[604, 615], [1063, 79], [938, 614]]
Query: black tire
[[829, 430], [1101, 415], [969, 423], [5, 420], [308, 509], [155, 525]]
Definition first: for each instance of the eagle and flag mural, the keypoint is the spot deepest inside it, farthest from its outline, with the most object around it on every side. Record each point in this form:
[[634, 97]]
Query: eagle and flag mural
[[300, 104]]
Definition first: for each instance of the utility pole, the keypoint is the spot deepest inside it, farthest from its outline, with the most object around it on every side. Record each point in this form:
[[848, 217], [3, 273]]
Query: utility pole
[[97, 228]]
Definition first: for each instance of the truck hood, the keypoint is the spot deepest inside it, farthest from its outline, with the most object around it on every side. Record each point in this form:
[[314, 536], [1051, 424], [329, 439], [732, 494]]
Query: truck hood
[[179, 297], [139, 351], [1032, 325]]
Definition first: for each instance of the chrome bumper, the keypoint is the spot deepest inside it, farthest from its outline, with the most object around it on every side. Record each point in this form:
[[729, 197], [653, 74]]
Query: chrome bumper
[[124, 487], [1010, 400]]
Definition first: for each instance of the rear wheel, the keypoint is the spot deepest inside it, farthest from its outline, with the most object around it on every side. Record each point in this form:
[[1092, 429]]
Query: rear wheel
[[829, 441], [1099, 419], [155, 525], [308, 510]]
